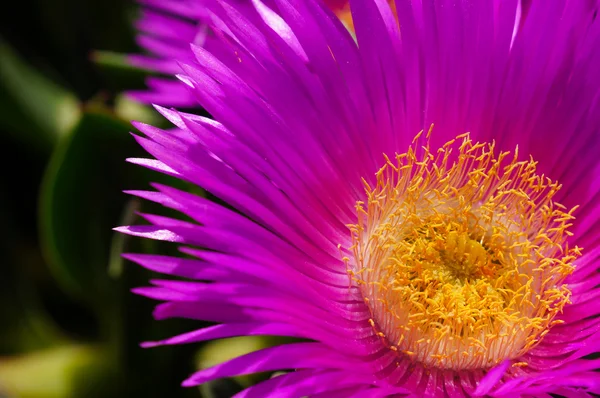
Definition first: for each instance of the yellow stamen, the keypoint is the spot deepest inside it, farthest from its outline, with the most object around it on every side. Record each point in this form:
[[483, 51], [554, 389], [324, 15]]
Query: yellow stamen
[[461, 257]]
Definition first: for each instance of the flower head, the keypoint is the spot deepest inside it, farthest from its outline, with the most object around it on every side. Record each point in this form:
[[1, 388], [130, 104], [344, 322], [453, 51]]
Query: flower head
[[420, 204]]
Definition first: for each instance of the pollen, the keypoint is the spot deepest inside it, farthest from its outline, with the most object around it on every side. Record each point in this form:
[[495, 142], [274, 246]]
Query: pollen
[[461, 254]]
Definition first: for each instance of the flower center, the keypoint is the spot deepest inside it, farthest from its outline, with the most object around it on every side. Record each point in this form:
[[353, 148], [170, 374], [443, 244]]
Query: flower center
[[461, 254]]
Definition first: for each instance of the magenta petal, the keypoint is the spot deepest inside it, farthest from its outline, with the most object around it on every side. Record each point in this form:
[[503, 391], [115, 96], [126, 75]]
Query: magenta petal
[[302, 383], [290, 356], [228, 330], [491, 378]]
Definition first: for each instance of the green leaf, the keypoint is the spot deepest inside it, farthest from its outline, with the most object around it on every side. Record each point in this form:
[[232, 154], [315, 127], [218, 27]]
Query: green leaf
[[33, 108], [118, 73], [81, 201], [118, 242]]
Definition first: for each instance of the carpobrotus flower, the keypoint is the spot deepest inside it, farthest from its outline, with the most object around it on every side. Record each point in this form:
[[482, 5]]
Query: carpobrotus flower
[[460, 261]]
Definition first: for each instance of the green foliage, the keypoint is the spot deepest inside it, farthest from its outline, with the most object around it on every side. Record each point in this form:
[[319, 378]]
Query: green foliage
[[80, 201], [70, 325]]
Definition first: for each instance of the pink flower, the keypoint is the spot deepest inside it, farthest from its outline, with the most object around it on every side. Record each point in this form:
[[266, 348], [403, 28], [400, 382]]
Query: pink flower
[[441, 264]]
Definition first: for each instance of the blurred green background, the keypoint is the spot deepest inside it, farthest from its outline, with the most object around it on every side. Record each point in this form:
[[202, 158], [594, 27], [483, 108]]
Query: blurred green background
[[69, 326]]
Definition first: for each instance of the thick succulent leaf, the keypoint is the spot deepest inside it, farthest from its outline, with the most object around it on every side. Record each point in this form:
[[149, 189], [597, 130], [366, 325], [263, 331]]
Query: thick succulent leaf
[[81, 201]]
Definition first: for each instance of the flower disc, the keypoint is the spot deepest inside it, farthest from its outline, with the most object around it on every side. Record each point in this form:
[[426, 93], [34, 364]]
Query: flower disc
[[461, 257]]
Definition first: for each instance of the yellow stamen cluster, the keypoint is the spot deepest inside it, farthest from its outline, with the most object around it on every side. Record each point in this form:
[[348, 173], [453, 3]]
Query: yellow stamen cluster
[[461, 254]]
